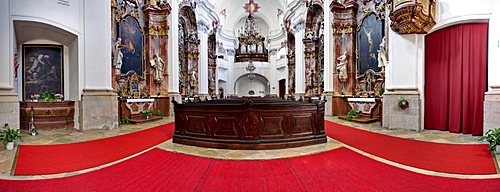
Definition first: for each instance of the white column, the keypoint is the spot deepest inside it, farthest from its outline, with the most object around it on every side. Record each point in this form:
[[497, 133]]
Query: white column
[[173, 50], [97, 36], [203, 60], [6, 78], [99, 105], [300, 84], [492, 97], [405, 80], [328, 43], [9, 104]]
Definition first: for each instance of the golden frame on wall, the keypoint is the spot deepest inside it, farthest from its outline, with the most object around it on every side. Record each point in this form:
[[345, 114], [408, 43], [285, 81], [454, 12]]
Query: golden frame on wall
[[42, 69]]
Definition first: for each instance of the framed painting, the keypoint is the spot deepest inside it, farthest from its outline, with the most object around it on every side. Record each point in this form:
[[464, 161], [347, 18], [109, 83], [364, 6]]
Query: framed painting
[[369, 38], [132, 41], [42, 69]]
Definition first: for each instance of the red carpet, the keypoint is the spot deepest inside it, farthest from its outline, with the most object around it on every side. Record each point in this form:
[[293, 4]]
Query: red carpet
[[50, 159], [448, 158], [336, 170]]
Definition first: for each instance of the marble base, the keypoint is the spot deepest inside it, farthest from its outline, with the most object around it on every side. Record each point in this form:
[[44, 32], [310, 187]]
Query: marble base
[[404, 119], [174, 96], [491, 110], [9, 109], [98, 110]]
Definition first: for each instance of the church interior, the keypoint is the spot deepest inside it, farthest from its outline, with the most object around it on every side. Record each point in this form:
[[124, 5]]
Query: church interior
[[208, 84]]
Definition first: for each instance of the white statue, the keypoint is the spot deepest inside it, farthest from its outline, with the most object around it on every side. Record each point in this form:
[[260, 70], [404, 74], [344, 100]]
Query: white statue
[[310, 33], [193, 78], [157, 63], [382, 55], [342, 66], [118, 55]]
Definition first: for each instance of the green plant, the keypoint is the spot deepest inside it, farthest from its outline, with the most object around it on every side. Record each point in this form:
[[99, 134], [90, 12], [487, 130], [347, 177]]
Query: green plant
[[352, 114], [159, 113], [124, 120], [493, 137], [47, 95], [148, 113], [34, 131], [403, 103], [9, 135]]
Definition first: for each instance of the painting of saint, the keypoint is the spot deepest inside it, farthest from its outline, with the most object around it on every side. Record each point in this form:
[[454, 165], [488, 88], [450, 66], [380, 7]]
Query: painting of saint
[[369, 38], [131, 39], [42, 69]]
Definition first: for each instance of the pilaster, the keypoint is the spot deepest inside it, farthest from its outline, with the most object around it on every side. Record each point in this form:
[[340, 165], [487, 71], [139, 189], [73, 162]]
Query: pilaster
[[9, 103]]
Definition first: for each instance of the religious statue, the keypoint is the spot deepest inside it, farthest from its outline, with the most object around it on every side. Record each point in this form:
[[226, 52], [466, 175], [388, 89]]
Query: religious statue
[[193, 78], [382, 55], [341, 66], [309, 78], [157, 63], [118, 56], [309, 34]]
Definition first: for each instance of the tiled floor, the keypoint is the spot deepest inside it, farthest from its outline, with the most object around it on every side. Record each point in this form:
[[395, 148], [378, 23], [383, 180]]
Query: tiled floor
[[70, 136]]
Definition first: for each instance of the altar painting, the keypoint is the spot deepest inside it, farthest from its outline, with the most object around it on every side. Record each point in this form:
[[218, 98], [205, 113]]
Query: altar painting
[[43, 66], [132, 41], [369, 38]]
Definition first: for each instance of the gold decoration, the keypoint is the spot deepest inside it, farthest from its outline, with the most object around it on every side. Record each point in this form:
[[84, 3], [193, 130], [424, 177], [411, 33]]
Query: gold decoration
[[212, 66], [412, 18], [339, 28], [158, 30]]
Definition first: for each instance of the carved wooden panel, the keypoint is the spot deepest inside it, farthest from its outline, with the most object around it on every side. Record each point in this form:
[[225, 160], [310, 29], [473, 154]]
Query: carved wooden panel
[[249, 123]]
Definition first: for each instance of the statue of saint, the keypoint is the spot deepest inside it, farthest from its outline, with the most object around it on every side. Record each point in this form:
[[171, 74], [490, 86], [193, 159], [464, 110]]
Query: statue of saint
[[118, 55], [341, 66], [382, 55], [157, 63]]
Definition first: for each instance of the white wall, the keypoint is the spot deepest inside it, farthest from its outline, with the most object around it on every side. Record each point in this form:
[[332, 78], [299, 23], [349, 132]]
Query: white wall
[[55, 12]]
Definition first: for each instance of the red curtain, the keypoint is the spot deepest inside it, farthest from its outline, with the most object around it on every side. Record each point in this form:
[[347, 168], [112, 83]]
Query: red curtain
[[455, 78]]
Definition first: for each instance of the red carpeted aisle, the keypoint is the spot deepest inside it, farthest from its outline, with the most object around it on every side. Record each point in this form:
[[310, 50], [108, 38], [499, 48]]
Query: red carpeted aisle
[[336, 170], [50, 159], [448, 158]]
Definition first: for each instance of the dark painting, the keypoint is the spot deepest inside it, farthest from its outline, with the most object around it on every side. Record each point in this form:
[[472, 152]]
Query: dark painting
[[131, 36], [369, 38], [42, 69]]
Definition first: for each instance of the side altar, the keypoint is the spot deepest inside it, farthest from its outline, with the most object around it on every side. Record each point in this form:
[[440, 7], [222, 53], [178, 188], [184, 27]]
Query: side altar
[[249, 123], [47, 115]]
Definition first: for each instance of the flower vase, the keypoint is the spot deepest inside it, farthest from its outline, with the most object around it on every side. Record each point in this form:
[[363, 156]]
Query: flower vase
[[9, 146], [33, 133], [35, 100]]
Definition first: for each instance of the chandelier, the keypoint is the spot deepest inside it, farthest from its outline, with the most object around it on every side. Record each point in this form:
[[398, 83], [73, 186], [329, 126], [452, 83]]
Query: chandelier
[[249, 34], [250, 67]]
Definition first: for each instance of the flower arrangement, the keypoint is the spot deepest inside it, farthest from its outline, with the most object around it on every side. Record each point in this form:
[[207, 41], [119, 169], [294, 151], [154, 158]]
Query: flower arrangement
[[58, 96], [360, 93], [371, 93], [35, 97]]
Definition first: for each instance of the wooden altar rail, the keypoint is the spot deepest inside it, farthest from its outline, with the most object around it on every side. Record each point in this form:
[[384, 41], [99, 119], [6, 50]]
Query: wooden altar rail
[[249, 123]]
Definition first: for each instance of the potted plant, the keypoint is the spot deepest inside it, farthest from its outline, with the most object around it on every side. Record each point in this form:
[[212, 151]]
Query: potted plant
[[124, 120], [159, 113], [403, 104], [148, 114], [8, 136], [493, 137], [33, 131], [352, 114], [35, 97], [58, 97], [47, 95]]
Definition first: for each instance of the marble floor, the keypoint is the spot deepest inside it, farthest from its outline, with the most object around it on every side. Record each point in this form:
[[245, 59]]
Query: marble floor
[[52, 137]]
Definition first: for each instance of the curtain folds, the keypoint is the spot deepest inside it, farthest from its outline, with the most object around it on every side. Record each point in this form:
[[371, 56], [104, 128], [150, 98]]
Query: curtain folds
[[455, 78]]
